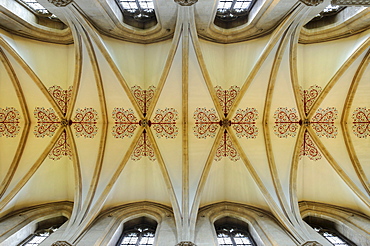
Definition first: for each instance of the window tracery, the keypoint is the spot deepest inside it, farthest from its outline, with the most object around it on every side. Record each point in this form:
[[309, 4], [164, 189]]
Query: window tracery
[[44, 230], [231, 13], [37, 8], [138, 13], [233, 236], [328, 230], [138, 232]]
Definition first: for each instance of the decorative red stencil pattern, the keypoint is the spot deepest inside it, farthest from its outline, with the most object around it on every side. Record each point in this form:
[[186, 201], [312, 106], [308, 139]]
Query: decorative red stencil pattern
[[62, 97], [143, 148], [206, 123], [47, 122], [226, 148], [125, 123], [143, 97], [361, 122], [85, 122], [309, 148], [286, 122], [323, 122], [164, 123], [226, 98], [309, 97], [61, 148], [9, 122], [244, 123]]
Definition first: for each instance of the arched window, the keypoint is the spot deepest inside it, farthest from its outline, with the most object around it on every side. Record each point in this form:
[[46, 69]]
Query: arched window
[[37, 8], [232, 13], [325, 17], [44, 230], [233, 232], [138, 13], [327, 229], [138, 232]]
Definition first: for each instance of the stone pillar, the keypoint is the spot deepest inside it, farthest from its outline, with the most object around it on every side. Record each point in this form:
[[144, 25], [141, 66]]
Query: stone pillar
[[60, 3], [185, 243], [311, 243], [311, 2], [186, 2], [61, 243]]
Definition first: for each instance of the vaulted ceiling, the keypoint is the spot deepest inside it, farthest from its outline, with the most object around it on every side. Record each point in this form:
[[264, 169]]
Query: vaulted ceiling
[[184, 113]]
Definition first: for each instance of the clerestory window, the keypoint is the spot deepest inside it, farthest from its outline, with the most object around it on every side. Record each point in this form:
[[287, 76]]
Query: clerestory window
[[233, 232], [37, 8], [44, 230], [232, 13], [326, 17], [138, 13], [328, 230], [138, 232]]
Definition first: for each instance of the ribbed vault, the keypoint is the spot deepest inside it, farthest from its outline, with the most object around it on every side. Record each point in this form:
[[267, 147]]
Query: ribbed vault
[[185, 121]]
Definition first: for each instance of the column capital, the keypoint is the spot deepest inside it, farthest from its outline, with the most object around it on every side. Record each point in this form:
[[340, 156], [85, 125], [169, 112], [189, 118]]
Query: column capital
[[311, 2], [186, 2], [60, 3], [186, 243], [311, 243], [61, 243]]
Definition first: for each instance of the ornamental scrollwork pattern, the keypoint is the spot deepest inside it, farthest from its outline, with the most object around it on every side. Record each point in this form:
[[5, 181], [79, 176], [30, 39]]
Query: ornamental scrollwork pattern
[[286, 122], [85, 121], [323, 122], [361, 122], [61, 97], [309, 97], [143, 148], [206, 123], [47, 122], [309, 148], [226, 98], [61, 148], [226, 148], [164, 123], [244, 123], [9, 122], [143, 98], [125, 123]]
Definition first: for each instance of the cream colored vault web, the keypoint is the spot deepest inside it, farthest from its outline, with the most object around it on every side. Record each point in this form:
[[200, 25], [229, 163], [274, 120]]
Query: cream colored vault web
[[184, 122]]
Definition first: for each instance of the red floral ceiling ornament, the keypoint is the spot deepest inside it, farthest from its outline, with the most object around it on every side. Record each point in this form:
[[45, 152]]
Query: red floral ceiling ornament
[[9, 122], [47, 122], [244, 123], [309, 97], [125, 123], [361, 122], [323, 122], [143, 148], [226, 98], [61, 148], [85, 122], [143, 97], [61, 97], [286, 122], [226, 148], [309, 148], [206, 122], [164, 123]]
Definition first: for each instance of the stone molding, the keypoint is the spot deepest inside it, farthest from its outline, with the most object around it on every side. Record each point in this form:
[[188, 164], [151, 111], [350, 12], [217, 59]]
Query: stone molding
[[186, 2], [311, 243], [311, 2], [351, 2], [60, 3], [61, 243], [186, 243]]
